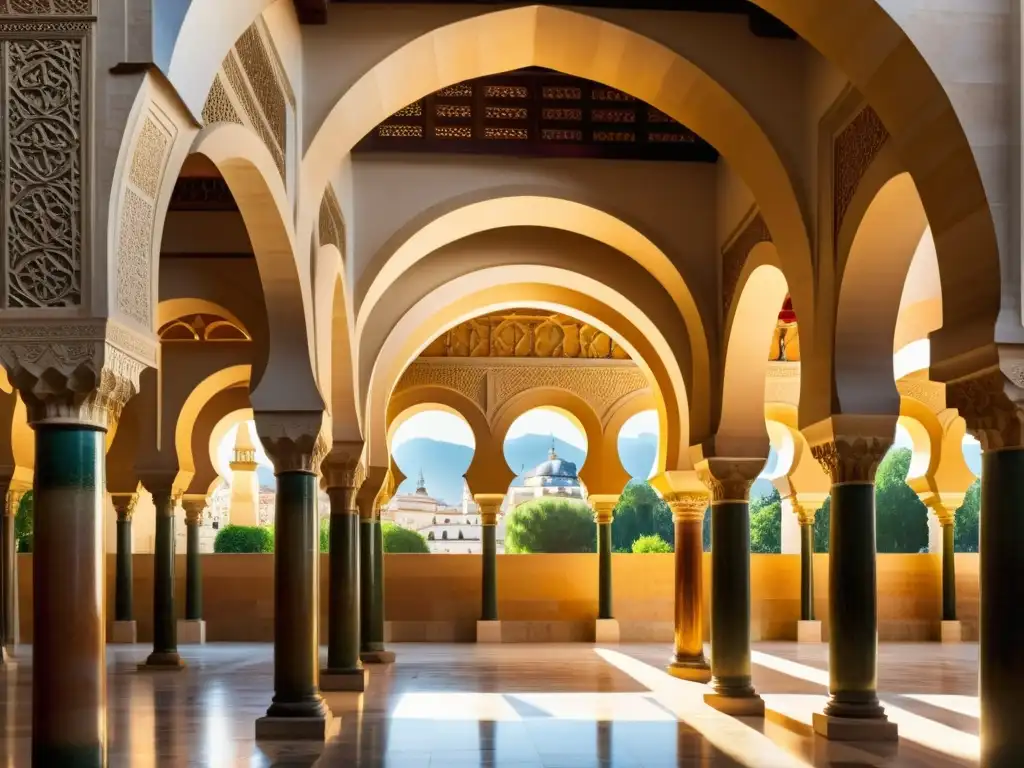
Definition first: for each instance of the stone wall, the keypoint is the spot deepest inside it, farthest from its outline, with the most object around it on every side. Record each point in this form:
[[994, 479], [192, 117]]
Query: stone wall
[[545, 597]]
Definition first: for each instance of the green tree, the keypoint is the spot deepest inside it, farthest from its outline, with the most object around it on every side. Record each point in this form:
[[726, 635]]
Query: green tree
[[821, 526], [901, 520], [965, 528], [766, 523], [23, 523], [325, 534], [707, 529], [640, 512], [651, 545], [401, 540], [244, 539], [551, 525]]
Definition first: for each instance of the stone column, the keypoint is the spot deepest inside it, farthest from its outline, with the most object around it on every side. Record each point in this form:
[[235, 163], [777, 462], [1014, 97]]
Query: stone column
[[488, 628], [729, 482], [376, 492], [192, 629], [944, 516], [343, 476], [688, 660], [295, 443], [808, 629], [165, 629], [850, 448], [124, 629], [606, 629], [9, 569]]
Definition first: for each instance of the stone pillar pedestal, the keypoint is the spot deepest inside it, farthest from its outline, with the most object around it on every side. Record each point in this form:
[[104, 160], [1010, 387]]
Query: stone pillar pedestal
[[808, 631], [606, 631], [951, 632], [191, 631], [123, 632], [488, 631]]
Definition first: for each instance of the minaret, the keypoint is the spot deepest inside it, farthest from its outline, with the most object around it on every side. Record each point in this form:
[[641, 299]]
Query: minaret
[[551, 453], [245, 484], [421, 485]]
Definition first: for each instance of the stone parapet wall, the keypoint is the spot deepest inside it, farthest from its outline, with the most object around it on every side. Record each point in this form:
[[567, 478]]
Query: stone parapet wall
[[545, 597]]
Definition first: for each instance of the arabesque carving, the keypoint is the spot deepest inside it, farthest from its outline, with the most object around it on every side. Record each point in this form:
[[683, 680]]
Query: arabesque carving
[[124, 506], [295, 441], [852, 459], [993, 407], [469, 380], [729, 480], [856, 146], [332, 223], [41, 7], [688, 506]]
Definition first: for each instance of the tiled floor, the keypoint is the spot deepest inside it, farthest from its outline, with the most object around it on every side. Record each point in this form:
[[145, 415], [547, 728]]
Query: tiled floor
[[557, 706]]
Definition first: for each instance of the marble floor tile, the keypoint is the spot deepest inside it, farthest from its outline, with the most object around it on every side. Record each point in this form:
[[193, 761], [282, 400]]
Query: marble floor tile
[[525, 706]]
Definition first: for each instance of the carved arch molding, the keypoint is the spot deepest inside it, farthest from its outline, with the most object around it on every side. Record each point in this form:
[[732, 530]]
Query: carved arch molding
[[491, 385]]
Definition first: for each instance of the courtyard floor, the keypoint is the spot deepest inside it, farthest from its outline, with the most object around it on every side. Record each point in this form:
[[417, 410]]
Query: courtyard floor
[[550, 706]]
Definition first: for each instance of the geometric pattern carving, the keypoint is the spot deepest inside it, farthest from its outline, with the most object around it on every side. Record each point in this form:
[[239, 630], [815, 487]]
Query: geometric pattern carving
[[218, 107], [58, 7], [332, 226], [470, 380], [44, 83], [734, 257], [525, 334], [147, 169], [256, 63], [853, 150]]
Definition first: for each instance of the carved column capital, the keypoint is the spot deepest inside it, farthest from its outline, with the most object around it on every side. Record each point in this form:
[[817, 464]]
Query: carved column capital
[[75, 373], [729, 480], [124, 505], [805, 511], [366, 498], [296, 441], [12, 499], [992, 403], [343, 468], [943, 506], [490, 506], [850, 447], [603, 506], [194, 508], [688, 507]]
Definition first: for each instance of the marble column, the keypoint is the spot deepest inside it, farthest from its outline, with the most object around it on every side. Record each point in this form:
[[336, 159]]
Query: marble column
[[851, 457], [606, 628], [343, 475], [808, 628], [165, 630], [295, 444], [688, 660], [9, 569], [943, 517], [124, 629], [488, 627], [729, 482], [376, 490], [192, 629]]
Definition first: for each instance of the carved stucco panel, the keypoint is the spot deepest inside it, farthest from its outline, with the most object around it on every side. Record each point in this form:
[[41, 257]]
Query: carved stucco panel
[[599, 386], [735, 256], [332, 226], [856, 146], [469, 380]]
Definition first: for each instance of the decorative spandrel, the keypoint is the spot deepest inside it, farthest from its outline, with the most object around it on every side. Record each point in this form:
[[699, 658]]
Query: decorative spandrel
[[201, 327], [541, 113], [525, 335]]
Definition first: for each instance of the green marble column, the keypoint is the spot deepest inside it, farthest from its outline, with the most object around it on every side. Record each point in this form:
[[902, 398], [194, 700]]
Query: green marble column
[[165, 627], [193, 571], [8, 568], [296, 549], [807, 570], [343, 477], [489, 587], [948, 573], [1001, 631], [124, 597], [377, 615], [69, 656], [367, 588], [603, 511]]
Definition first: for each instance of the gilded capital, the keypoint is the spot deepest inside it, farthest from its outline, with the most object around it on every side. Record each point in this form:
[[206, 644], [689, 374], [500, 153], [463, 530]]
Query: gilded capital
[[194, 509], [729, 480], [688, 507], [124, 505], [295, 441], [604, 507], [849, 448], [490, 506]]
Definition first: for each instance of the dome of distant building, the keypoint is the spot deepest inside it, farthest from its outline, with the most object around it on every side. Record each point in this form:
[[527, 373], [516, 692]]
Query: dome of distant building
[[553, 473]]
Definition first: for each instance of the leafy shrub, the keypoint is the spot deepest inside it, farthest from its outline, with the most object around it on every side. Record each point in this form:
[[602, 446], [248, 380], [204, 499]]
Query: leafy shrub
[[653, 544], [403, 541], [248, 539], [325, 534], [551, 525]]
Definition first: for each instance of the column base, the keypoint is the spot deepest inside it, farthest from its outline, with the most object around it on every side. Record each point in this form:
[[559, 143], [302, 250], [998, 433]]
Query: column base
[[377, 657], [694, 671], [163, 662], [343, 679], [298, 728], [951, 632], [854, 728], [191, 631], [737, 706], [808, 631], [488, 631], [606, 631], [123, 632]]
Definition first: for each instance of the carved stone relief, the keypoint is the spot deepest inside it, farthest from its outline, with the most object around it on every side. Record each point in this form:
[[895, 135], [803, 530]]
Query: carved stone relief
[[735, 256], [332, 226], [853, 150], [56, 7]]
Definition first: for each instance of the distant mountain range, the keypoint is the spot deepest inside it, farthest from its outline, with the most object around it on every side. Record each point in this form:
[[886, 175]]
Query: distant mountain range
[[443, 464]]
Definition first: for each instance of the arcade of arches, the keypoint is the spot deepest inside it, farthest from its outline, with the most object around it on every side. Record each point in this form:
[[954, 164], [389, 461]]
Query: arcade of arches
[[328, 216]]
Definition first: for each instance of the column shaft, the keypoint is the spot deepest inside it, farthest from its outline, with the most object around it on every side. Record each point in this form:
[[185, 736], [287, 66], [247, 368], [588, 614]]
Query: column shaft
[[807, 572], [165, 628], [1001, 631], [689, 617], [367, 589], [489, 601], [377, 626], [948, 574], [193, 573], [69, 663], [343, 613], [8, 577], [604, 570], [730, 599], [296, 683], [853, 643], [123, 589]]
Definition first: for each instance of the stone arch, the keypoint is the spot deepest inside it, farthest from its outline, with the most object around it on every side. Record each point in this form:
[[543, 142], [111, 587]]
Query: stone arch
[[487, 469], [336, 360], [624, 410], [223, 411], [540, 288], [172, 309], [204, 392], [248, 168], [749, 336], [880, 251], [580, 45]]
